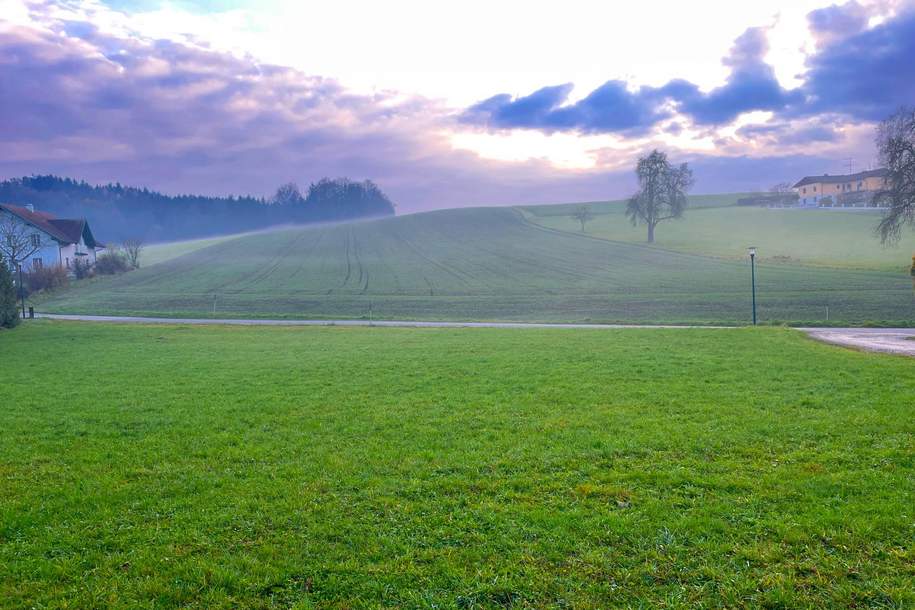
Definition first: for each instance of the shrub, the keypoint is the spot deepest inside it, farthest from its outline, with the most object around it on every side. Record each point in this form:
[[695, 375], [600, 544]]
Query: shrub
[[46, 278], [111, 263], [9, 312], [81, 269]]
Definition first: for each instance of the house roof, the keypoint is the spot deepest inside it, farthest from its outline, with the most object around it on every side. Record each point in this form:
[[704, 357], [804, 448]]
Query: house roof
[[827, 179], [64, 230]]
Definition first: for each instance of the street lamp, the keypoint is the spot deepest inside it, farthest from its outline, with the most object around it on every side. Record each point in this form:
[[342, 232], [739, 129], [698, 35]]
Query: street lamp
[[752, 251]]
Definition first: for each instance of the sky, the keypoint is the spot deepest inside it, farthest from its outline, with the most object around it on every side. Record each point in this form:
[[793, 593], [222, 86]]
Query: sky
[[447, 104]]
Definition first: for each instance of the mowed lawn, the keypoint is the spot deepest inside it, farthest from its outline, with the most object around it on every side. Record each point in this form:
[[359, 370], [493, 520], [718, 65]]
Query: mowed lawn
[[208, 467], [483, 264]]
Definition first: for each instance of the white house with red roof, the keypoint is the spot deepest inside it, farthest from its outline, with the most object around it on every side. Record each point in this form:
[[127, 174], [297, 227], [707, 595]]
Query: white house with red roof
[[60, 241]]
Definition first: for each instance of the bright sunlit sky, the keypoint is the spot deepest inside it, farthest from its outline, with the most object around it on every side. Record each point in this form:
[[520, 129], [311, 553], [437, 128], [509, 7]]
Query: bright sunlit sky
[[446, 103]]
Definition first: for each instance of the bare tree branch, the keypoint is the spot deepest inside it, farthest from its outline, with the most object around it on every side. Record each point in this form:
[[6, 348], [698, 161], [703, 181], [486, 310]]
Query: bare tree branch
[[896, 146], [132, 249], [19, 240]]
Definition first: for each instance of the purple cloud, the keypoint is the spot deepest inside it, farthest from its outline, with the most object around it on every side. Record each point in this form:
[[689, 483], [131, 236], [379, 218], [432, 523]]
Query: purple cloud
[[612, 108], [609, 108], [865, 75], [857, 72], [182, 118], [782, 134]]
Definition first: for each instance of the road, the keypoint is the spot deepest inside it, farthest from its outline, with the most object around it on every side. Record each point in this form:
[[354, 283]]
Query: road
[[888, 340]]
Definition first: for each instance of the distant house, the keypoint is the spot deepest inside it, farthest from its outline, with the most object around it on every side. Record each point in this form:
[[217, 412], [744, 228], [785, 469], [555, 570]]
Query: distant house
[[850, 189], [62, 241]]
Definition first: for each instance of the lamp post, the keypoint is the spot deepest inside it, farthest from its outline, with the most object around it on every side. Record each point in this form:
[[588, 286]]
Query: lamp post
[[752, 251]]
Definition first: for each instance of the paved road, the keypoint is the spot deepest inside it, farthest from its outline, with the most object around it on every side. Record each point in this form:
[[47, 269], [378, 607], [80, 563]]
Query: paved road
[[890, 340]]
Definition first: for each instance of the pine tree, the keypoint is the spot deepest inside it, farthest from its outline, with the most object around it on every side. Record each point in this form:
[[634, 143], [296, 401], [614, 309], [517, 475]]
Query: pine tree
[[9, 310]]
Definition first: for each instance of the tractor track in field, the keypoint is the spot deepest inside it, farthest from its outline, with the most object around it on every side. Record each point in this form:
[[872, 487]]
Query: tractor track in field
[[313, 247], [349, 265], [245, 282], [457, 274], [363, 272]]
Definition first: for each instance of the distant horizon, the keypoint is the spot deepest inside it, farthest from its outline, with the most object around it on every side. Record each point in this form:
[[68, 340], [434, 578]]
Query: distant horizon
[[398, 212], [238, 96]]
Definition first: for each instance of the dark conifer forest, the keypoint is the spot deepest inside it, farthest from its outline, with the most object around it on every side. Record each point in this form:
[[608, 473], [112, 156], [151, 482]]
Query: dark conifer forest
[[117, 212]]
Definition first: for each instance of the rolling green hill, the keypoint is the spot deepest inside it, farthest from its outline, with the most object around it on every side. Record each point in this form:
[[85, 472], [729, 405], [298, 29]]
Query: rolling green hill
[[483, 264], [819, 237], [154, 254]]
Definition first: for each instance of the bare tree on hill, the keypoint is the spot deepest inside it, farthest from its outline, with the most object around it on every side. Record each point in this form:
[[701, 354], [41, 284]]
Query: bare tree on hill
[[132, 249], [288, 194], [662, 191], [583, 214]]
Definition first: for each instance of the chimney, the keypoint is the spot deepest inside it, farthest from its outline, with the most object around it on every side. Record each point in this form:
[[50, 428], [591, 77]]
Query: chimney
[[30, 207]]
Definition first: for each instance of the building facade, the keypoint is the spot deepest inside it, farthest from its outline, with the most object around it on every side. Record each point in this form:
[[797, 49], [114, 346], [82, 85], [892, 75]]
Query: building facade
[[855, 190], [57, 241]]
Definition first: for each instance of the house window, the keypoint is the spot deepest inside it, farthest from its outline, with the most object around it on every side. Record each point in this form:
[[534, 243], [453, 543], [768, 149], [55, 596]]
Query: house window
[[68, 262], [804, 190], [36, 239], [814, 189], [36, 263]]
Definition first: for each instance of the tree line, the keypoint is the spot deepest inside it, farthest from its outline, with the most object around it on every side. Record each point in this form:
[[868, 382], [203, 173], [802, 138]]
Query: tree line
[[117, 212]]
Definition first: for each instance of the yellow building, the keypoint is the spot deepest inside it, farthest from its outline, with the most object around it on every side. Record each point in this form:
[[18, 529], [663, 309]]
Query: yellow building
[[851, 189]]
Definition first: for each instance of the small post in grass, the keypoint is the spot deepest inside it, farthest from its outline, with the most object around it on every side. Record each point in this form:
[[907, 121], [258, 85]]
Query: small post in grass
[[752, 251], [21, 291]]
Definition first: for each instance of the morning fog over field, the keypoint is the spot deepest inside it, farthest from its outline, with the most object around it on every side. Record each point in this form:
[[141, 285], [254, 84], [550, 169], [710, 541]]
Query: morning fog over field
[[465, 305]]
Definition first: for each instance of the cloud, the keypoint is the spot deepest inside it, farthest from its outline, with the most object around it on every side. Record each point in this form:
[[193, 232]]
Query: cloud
[[789, 134], [752, 85], [856, 73], [609, 108], [613, 108], [182, 118], [107, 104], [864, 74], [838, 21]]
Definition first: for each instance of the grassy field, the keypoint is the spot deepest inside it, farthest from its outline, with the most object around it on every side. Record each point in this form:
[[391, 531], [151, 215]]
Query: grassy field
[[153, 254], [488, 264], [833, 238], [218, 467]]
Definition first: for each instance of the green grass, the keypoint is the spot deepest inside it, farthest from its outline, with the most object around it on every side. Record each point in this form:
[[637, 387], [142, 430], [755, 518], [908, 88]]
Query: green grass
[[154, 254], [483, 264], [218, 467], [833, 238]]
